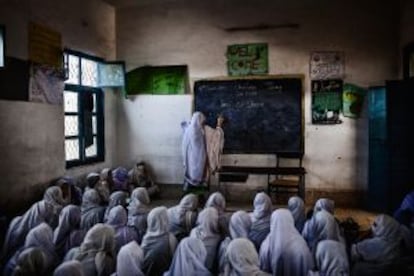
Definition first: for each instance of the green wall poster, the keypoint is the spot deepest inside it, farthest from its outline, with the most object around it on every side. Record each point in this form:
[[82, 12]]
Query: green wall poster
[[353, 100], [326, 101], [158, 80], [247, 59]]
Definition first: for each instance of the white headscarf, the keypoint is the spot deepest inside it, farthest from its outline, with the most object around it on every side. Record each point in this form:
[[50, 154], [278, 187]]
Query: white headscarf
[[207, 232], [157, 222], [182, 216], [189, 259], [139, 202], [194, 150], [217, 201], [297, 208], [116, 198], [72, 268], [117, 218], [384, 247], [284, 251], [92, 211], [332, 259], [46, 210], [243, 259], [31, 261], [240, 224], [324, 204], [322, 226], [42, 236], [260, 218], [130, 260], [64, 236], [97, 250]]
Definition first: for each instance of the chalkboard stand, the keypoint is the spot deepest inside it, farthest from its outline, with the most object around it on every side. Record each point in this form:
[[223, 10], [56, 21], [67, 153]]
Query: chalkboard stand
[[276, 176]]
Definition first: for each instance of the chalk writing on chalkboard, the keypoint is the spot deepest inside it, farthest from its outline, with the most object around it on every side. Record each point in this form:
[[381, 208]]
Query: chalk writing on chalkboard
[[262, 115]]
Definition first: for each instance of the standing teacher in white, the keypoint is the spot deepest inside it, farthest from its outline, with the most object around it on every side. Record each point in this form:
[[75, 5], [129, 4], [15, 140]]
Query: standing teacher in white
[[202, 146]]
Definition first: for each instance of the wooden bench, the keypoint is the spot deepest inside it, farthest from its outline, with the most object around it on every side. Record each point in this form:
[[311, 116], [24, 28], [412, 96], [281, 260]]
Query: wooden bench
[[277, 181]]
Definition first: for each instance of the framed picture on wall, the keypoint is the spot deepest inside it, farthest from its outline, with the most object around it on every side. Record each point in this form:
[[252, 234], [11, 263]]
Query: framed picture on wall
[[2, 46], [408, 61]]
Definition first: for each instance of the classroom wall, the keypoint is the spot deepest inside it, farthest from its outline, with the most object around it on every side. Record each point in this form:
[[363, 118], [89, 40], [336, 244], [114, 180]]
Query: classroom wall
[[32, 134], [193, 33]]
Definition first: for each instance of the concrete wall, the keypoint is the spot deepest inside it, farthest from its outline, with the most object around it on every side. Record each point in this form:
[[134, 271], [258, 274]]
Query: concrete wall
[[193, 33], [32, 134]]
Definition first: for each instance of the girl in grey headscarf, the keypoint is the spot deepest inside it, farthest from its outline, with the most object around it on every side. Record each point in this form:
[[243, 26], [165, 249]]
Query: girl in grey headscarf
[[218, 201], [189, 259], [284, 251], [239, 227], [91, 209], [117, 218], [297, 208], [324, 204], [130, 260], [331, 259], [116, 198], [31, 261], [322, 226], [384, 246], [46, 210], [41, 237], [158, 243], [242, 259], [138, 210], [72, 268], [96, 252], [68, 234], [260, 219], [207, 232], [183, 216]]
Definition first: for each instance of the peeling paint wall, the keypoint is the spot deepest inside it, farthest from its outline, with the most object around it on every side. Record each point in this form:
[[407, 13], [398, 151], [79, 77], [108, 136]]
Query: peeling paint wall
[[193, 33], [32, 134]]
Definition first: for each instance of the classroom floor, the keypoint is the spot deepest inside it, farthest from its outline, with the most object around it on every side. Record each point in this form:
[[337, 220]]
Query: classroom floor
[[362, 217]]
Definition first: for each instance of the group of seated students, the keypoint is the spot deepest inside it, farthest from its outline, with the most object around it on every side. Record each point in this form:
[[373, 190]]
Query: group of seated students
[[113, 231]]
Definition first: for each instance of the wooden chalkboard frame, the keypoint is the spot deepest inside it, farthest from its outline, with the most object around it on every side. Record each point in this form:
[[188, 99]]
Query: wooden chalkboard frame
[[299, 151]]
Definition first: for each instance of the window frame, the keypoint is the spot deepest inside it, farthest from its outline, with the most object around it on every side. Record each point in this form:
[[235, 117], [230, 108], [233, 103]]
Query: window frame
[[99, 113]]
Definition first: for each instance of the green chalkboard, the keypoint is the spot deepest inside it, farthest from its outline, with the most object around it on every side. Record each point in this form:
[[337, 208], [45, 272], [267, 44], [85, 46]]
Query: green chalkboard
[[157, 80]]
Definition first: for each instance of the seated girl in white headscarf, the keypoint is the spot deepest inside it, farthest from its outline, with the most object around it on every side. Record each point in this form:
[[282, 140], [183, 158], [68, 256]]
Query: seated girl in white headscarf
[[383, 248], [297, 208], [284, 251], [123, 234], [91, 209], [46, 210], [96, 253], [130, 260], [217, 200], [40, 237], [158, 243], [31, 261], [72, 268], [189, 259], [183, 216], [116, 198], [322, 226], [138, 210], [331, 259], [207, 231], [260, 219], [242, 259], [68, 233], [239, 227]]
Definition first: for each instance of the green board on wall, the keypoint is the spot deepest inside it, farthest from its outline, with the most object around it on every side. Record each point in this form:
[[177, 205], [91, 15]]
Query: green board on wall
[[247, 59], [160, 80]]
